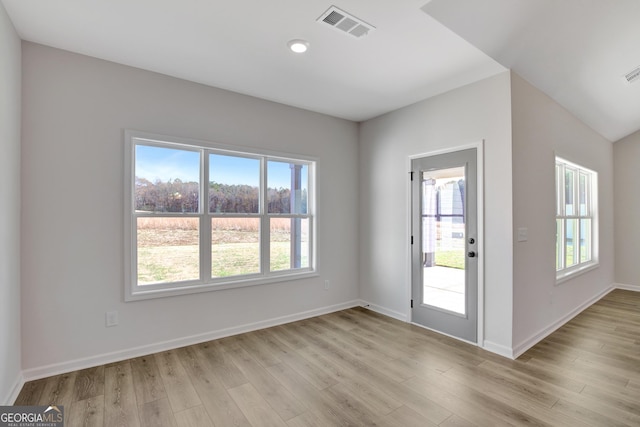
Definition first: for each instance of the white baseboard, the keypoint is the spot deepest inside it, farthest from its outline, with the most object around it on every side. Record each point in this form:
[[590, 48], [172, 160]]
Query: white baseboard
[[536, 338], [488, 345], [635, 288], [15, 391], [498, 349], [116, 356], [384, 310]]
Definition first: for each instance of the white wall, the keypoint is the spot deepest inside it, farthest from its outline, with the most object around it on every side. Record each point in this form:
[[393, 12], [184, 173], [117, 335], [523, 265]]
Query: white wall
[[75, 111], [542, 129], [480, 111], [626, 158], [10, 66]]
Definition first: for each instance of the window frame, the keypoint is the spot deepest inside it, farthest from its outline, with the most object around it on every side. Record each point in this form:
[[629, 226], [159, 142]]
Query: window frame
[[206, 283], [564, 272]]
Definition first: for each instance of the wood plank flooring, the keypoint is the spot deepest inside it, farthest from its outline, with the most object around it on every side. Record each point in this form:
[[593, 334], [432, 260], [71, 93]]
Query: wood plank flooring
[[357, 367]]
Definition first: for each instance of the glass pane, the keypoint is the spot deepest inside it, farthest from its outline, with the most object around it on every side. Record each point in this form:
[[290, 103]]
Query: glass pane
[[235, 246], [583, 189], [585, 240], [287, 187], [559, 244], [167, 179], [571, 248], [289, 243], [234, 184], [569, 176], [168, 250], [558, 190], [443, 239]]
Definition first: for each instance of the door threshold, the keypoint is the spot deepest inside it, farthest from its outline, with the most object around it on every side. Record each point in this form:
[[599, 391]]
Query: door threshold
[[445, 334]]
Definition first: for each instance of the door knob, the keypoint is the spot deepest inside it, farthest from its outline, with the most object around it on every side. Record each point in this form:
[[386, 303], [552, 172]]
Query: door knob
[[471, 254]]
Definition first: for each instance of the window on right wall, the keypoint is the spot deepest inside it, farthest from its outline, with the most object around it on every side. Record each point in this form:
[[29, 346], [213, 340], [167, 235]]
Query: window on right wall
[[576, 219]]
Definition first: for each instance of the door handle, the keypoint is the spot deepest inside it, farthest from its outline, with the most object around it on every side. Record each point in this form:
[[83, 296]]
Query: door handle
[[471, 254]]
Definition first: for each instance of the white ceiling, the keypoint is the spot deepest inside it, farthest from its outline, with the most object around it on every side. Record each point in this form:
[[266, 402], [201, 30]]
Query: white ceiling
[[241, 45], [574, 50]]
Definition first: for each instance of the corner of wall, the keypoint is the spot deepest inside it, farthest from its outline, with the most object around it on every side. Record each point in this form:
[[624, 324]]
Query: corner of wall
[[14, 390], [634, 288], [386, 311], [500, 350], [534, 339], [10, 145], [626, 205], [541, 129]]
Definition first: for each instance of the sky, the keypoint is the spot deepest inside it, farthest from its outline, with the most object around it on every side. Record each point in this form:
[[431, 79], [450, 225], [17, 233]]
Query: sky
[[153, 163]]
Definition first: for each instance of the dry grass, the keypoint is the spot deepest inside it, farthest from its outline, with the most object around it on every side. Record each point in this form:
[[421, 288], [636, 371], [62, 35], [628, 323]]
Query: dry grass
[[174, 223], [168, 247], [166, 231], [227, 224], [161, 264]]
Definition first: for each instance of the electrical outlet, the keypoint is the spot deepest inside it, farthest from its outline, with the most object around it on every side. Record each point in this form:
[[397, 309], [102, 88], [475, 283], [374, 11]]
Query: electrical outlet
[[110, 318], [326, 285]]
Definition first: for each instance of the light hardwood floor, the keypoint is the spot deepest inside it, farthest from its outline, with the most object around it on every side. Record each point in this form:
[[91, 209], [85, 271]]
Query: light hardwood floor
[[356, 367]]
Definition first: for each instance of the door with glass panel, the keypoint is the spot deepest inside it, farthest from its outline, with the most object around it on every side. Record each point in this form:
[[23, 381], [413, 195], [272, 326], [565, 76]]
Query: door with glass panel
[[445, 243]]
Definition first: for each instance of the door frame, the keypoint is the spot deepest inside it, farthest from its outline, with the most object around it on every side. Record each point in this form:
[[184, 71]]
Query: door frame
[[479, 146]]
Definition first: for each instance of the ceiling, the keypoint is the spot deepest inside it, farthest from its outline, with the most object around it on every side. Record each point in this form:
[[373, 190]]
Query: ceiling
[[574, 50]]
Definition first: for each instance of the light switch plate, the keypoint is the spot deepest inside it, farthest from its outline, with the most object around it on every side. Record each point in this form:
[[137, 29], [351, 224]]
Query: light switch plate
[[523, 234], [111, 318]]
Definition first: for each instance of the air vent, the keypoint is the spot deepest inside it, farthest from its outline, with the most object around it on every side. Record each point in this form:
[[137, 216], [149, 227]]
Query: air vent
[[633, 76], [344, 22]]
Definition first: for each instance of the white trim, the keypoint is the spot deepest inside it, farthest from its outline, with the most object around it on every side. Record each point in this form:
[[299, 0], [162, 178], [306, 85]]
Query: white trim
[[245, 150], [635, 288], [521, 348], [480, 219], [15, 390], [446, 150], [479, 146], [208, 287], [205, 283], [409, 249], [498, 349], [385, 311], [116, 356], [568, 274]]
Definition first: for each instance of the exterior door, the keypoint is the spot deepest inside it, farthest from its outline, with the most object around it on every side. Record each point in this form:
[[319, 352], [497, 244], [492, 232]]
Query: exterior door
[[445, 243]]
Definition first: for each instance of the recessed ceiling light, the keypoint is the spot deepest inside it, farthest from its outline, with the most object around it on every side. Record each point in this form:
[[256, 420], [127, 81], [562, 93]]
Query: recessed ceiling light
[[298, 46]]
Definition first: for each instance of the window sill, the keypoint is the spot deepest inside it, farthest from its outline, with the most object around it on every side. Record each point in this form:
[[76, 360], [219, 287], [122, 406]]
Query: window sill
[[172, 290], [565, 276]]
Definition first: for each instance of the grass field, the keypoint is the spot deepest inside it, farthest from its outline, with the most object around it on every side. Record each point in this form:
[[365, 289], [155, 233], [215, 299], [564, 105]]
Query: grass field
[[177, 263], [452, 259], [450, 252], [168, 248]]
